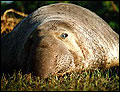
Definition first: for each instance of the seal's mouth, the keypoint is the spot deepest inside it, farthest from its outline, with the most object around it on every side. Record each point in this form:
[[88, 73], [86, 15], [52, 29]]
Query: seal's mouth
[[64, 63]]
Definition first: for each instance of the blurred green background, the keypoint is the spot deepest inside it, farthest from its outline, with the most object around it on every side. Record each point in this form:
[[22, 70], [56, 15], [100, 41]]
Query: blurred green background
[[107, 10]]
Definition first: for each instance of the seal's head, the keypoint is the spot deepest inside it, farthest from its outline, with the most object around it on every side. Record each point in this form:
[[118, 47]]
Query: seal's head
[[53, 48]]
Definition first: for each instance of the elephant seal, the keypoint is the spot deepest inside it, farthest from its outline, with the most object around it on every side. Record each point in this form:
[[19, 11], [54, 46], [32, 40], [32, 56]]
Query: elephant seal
[[58, 38]]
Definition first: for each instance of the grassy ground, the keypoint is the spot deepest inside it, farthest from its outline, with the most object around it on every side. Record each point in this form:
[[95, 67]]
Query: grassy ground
[[86, 81]]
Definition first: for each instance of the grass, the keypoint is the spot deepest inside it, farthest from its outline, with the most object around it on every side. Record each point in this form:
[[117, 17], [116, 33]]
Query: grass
[[86, 81]]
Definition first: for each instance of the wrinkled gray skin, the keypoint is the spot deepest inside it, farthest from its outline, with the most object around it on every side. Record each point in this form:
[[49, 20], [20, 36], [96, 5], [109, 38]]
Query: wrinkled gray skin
[[39, 43]]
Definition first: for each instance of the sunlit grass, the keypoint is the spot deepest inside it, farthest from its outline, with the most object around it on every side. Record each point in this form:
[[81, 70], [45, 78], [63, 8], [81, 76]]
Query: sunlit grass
[[86, 81]]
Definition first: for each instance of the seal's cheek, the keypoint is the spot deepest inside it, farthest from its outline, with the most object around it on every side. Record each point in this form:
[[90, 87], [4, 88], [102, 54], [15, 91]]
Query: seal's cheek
[[50, 56]]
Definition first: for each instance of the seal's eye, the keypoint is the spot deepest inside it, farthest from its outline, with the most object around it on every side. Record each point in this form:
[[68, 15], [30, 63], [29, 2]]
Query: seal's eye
[[64, 35]]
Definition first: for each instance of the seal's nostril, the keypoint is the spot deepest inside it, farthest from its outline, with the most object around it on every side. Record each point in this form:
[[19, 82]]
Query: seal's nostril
[[43, 45], [39, 30]]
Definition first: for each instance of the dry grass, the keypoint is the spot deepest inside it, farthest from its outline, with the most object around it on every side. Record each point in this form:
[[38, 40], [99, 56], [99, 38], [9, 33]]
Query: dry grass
[[9, 21]]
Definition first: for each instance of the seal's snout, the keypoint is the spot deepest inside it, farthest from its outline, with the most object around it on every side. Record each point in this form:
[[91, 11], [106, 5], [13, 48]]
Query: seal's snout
[[44, 56], [51, 56]]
